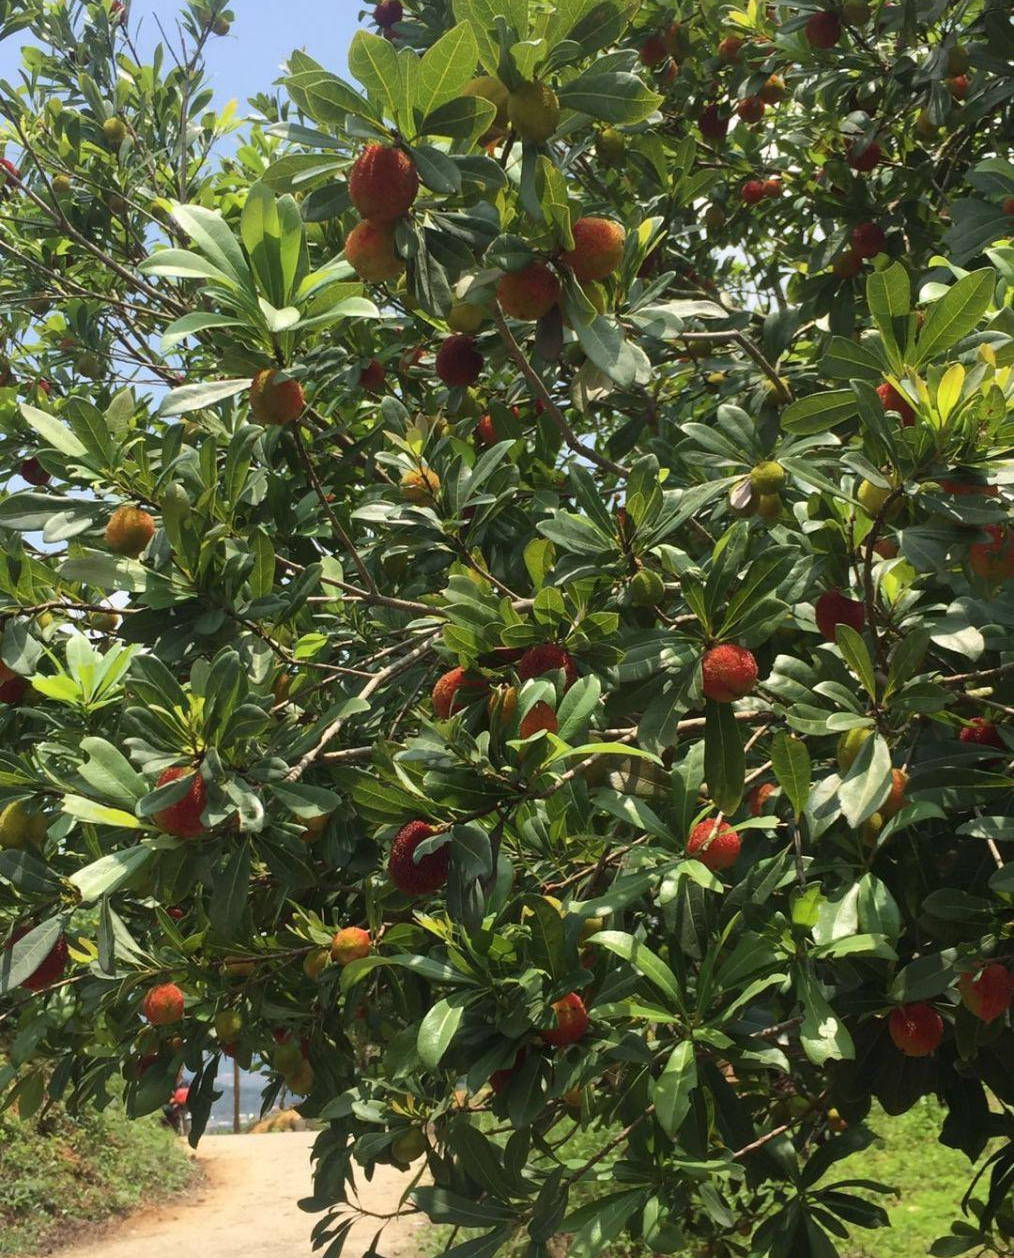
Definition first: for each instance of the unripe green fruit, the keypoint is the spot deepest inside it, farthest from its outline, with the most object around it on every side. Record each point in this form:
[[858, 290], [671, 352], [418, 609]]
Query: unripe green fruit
[[465, 316], [487, 87], [62, 185], [228, 1024], [534, 111], [115, 132], [610, 146], [768, 477], [408, 1147], [871, 828], [20, 828], [316, 962], [872, 498], [287, 1058], [769, 506], [647, 589], [221, 25], [849, 746]]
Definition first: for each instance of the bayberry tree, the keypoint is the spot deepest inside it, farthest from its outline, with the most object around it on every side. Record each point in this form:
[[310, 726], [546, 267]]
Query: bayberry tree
[[506, 600]]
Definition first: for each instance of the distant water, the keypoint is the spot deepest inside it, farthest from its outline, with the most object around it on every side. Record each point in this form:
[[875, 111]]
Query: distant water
[[250, 1088]]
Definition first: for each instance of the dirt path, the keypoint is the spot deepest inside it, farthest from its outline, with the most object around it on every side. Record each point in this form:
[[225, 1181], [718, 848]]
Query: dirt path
[[246, 1208]]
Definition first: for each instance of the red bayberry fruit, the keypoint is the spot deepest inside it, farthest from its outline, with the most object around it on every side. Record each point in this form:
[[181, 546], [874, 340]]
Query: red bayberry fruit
[[32, 471], [823, 30], [728, 49], [459, 363], [916, 1029], [759, 796], [864, 158], [833, 609], [982, 733], [728, 672], [350, 944], [751, 109], [547, 658], [987, 993], [958, 86], [276, 398], [712, 125], [422, 876], [388, 13], [571, 1021], [868, 240], [653, 51], [540, 716], [372, 376], [446, 700], [847, 265], [50, 969], [773, 187], [485, 431], [383, 183], [598, 248], [892, 400], [183, 818], [993, 560], [163, 1004], [12, 686], [752, 191], [715, 844], [529, 293]]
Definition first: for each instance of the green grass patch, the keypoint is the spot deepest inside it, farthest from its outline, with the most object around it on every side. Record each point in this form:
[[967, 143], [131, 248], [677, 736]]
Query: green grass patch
[[61, 1173]]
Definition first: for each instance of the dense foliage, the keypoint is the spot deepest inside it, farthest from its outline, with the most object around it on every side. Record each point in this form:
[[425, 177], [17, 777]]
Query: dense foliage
[[507, 600]]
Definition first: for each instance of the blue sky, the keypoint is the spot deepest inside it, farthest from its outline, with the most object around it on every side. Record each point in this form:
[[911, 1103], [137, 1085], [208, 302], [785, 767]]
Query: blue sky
[[263, 34]]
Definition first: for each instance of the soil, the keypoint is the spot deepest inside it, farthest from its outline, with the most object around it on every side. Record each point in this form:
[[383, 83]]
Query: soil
[[245, 1207]]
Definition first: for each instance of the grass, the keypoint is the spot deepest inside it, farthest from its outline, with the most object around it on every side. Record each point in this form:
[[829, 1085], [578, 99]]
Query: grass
[[63, 1173], [930, 1180]]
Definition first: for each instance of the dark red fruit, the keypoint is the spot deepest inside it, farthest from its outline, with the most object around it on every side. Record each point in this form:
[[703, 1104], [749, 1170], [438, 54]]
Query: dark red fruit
[[823, 30], [833, 609], [753, 191], [372, 376], [183, 819], [32, 471], [547, 658], [459, 363], [712, 125], [51, 968], [864, 159], [987, 993], [868, 239], [388, 13], [417, 877], [916, 1029], [982, 733], [892, 400]]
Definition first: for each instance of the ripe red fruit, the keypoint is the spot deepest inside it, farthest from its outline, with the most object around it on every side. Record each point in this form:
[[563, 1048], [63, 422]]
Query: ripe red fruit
[[758, 797], [459, 363], [598, 248], [485, 431], [711, 123], [833, 609], [916, 1029], [772, 90], [32, 471], [864, 159], [383, 183], [540, 716], [847, 265], [499, 1079], [715, 844], [276, 398], [129, 530], [982, 733], [12, 686], [445, 693], [350, 944], [183, 819], [163, 1005], [728, 672], [772, 187], [653, 51], [370, 251], [988, 992], [9, 174], [958, 86], [892, 400], [1008, 205], [751, 109], [728, 49], [529, 293], [993, 560], [823, 30], [571, 1021], [868, 239], [897, 798], [372, 376], [388, 13], [547, 658], [752, 191], [417, 877], [50, 969]]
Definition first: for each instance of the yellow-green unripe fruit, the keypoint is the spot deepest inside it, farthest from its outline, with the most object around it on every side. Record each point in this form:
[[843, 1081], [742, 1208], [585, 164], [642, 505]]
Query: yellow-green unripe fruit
[[465, 316], [871, 828], [534, 111], [768, 477], [872, 498], [21, 828], [647, 589], [316, 962], [228, 1024], [486, 87], [115, 132], [62, 185], [592, 926], [768, 506], [849, 746], [610, 146], [409, 1146]]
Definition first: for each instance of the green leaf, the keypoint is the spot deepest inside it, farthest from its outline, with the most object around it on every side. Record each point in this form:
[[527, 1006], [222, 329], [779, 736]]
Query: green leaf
[[99, 814], [642, 959], [446, 67], [577, 706], [612, 96], [210, 233], [925, 977], [374, 62], [724, 762], [483, 16], [194, 397], [889, 295], [443, 1206], [790, 762], [672, 1089], [24, 958], [819, 411], [823, 1035], [109, 873], [857, 656], [110, 773], [867, 783], [956, 314], [437, 1030], [229, 894], [55, 434]]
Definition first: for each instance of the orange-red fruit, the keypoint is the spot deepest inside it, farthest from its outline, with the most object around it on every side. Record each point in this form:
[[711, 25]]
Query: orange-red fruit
[[834, 608], [275, 398], [370, 251], [758, 797], [982, 733], [751, 109], [713, 126], [529, 293], [728, 49], [571, 1019], [129, 530], [728, 672], [183, 819], [446, 700], [864, 159], [653, 51], [163, 1005], [993, 560], [897, 799], [372, 376], [540, 716], [772, 187], [485, 431], [753, 191], [958, 86], [868, 239], [383, 183], [12, 686], [417, 877], [1008, 205], [823, 30], [598, 248], [892, 400], [772, 90], [988, 992], [547, 658], [459, 363], [350, 944], [52, 966], [916, 1029], [715, 844]]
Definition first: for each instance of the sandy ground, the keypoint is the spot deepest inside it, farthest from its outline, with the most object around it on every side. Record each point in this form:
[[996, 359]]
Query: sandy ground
[[246, 1208]]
